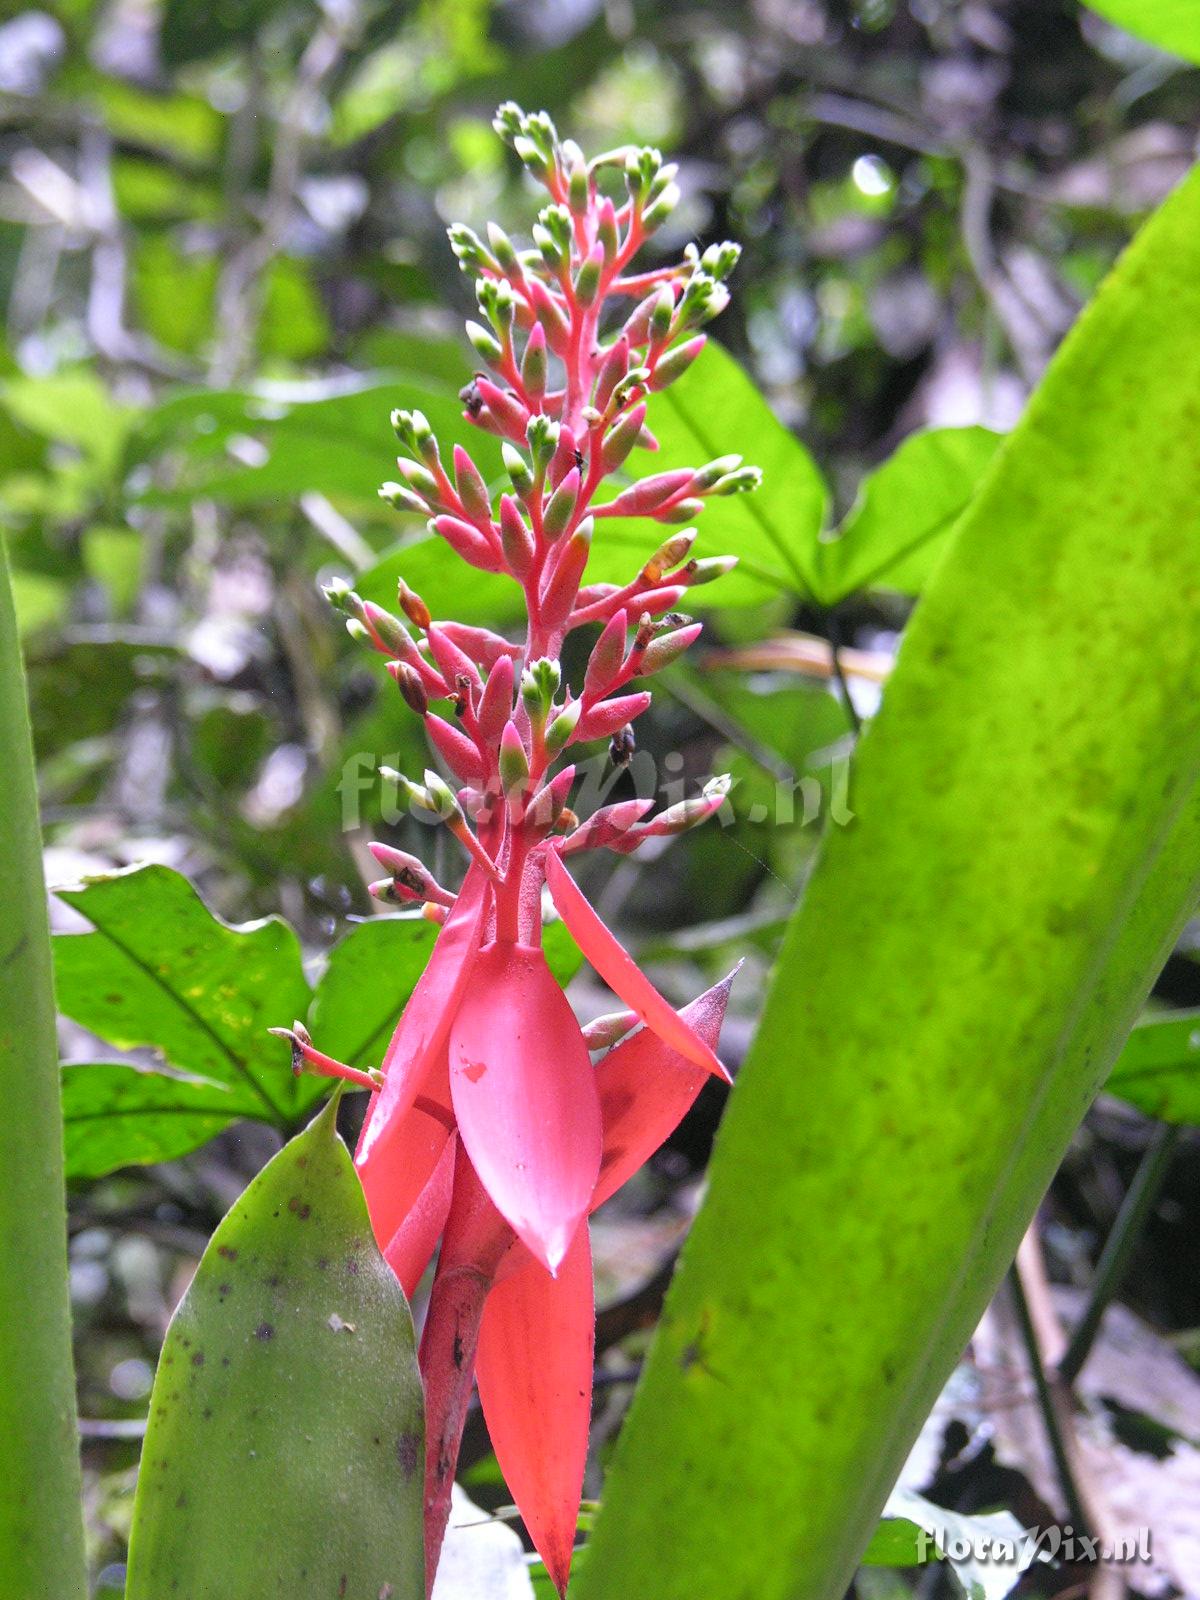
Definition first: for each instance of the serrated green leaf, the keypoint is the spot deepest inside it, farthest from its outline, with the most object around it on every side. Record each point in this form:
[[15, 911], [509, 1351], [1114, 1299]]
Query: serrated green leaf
[[904, 515], [161, 971], [1159, 1069], [285, 1447], [119, 1115]]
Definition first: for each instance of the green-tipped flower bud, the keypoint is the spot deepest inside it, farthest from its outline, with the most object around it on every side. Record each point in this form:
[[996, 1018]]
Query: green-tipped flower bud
[[518, 468], [705, 477], [560, 508], [542, 438], [533, 158], [401, 498], [442, 799], [539, 684], [676, 362], [743, 480], [424, 440], [358, 631], [707, 570], [578, 188], [558, 734], [485, 345], [514, 763], [681, 511], [502, 248], [342, 597], [534, 366], [662, 313], [660, 209], [421, 480], [719, 260], [508, 121], [469, 250], [587, 279]]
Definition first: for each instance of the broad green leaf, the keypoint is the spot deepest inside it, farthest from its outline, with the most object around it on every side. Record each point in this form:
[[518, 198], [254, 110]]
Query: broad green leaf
[[41, 1529], [360, 996], [285, 1449], [901, 522], [958, 980], [1159, 1069], [246, 448], [73, 407], [161, 970], [715, 410], [1172, 25], [119, 1115]]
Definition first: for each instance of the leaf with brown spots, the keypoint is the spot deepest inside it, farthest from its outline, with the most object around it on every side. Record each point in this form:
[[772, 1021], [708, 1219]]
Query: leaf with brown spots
[[283, 1455]]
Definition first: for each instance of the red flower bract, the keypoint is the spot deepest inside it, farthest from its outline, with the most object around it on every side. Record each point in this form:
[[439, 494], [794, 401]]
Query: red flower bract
[[490, 1130]]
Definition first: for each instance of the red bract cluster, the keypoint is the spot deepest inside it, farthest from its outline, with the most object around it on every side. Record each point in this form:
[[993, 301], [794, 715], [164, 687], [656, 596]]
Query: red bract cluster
[[491, 1129]]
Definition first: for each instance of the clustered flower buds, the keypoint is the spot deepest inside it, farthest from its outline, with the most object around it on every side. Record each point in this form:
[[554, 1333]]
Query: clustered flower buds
[[493, 1130]]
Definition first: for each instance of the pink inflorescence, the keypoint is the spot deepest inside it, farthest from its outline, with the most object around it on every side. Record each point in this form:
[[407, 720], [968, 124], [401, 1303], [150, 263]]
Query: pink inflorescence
[[491, 1130]]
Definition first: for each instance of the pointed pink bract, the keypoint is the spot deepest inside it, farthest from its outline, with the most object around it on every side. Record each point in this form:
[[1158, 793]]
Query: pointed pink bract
[[525, 1098], [622, 974], [646, 1090], [534, 1368]]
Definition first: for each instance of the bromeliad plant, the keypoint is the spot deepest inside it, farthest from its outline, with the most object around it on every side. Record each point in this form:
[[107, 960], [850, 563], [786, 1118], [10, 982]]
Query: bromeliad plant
[[490, 1128]]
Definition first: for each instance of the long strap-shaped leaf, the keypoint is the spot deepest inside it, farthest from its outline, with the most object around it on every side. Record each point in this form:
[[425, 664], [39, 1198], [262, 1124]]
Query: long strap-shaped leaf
[[968, 957], [41, 1529]]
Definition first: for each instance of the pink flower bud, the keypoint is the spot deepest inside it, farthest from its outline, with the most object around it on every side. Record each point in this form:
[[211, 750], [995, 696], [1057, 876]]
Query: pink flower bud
[[551, 316], [472, 490], [509, 413], [514, 760], [561, 506], [676, 362], [453, 663], [456, 750], [482, 645], [548, 804], [608, 654], [620, 440], [668, 647], [468, 542], [612, 369], [637, 326], [516, 538], [533, 363], [605, 1031], [646, 498], [603, 720], [558, 599], [564, 457], [495, 707], [388, 633], [606, 825]]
